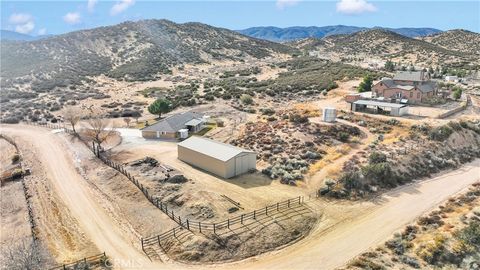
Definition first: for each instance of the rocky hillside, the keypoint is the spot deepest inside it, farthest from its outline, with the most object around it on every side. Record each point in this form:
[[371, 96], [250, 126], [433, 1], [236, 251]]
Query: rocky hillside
[[300, 32], [457, 40], [131, 50], [384, 44]]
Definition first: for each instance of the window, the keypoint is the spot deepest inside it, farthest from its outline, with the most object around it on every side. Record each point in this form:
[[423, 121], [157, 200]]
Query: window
[[411, 94]]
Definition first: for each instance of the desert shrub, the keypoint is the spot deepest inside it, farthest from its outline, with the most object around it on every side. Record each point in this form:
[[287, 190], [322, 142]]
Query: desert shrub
[[380, 172], [10, 120], [350, 179], [343, 136], [267, 111], [17, 173], [432, 250], [411, 261], [365, 263], [377, 157], [311, 155], [298, 118], [455, 125], [440, 133], [209, 97], [469, 237], [15, 158], [246, 99]]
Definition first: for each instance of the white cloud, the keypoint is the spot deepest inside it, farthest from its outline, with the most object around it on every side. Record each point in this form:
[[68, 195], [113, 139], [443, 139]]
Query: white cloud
[[20, 18], [42, 31], [121, 6], [22, 22], [25, 28], [355, 7], [91, 5], [282, 4], [72, 18]]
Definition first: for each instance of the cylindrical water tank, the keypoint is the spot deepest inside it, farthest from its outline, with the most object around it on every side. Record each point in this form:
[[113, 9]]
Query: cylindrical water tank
[[329, 114]]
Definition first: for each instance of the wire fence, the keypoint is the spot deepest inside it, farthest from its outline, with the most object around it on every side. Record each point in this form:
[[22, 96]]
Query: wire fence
[[214, 227], [85, 263]]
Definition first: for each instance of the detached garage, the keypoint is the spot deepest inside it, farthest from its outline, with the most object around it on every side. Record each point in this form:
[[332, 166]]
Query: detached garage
[[218, 158]]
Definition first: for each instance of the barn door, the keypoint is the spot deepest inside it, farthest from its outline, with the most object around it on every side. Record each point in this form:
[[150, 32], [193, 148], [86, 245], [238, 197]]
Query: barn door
[[239, 166]]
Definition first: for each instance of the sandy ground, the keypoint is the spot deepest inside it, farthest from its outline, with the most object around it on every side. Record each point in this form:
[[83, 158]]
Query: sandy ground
[[14, 222], [251, 190]]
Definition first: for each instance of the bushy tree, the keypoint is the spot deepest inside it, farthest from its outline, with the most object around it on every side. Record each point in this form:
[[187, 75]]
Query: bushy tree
[[457, 93], [160, 106], [366, 84], [389, 66]]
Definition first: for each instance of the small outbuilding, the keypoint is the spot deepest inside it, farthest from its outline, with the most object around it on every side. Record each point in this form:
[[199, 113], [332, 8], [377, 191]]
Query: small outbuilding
[[380, 107], [219, 158]]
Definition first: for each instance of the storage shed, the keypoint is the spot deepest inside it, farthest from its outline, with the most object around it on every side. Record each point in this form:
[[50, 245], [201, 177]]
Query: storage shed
[[393, 109], [215, 157]]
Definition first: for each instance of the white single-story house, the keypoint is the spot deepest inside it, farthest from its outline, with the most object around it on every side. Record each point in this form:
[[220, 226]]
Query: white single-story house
[[219, 158], [174, 126]]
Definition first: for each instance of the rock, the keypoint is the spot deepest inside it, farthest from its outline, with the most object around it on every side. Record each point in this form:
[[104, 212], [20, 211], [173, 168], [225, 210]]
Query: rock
[[232, 210], [177, 179]]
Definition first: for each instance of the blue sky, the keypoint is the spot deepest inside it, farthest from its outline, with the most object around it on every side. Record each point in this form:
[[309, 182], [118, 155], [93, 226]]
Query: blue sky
[[56, 17]]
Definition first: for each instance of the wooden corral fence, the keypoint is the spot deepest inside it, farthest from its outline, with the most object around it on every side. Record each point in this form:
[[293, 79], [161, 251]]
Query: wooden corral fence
[[85, 263], [214, 227]]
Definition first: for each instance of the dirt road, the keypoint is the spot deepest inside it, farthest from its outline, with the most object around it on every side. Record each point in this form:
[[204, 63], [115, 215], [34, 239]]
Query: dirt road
[[75, 193], [332, 249]]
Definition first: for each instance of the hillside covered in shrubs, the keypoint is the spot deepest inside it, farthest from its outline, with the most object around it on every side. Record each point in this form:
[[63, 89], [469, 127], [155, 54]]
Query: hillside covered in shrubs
[[425, 151], [446, 238]]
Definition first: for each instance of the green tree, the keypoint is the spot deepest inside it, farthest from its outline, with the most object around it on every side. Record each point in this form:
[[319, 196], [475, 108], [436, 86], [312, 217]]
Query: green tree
[[389, 66], [160, 106], [457, 93], [366, 84]]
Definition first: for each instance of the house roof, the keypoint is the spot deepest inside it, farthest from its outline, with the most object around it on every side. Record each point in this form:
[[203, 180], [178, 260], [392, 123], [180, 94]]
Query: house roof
[[174, 122], [427, 87], [193, 122], [215, 149], [416, 76], [379, 103]]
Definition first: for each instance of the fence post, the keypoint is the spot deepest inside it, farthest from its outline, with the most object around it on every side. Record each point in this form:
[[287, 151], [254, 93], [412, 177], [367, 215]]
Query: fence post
[[141, 239], [214, 228], [64, 267], [241, 219], [158, 238], [266, 210], [188, 225], [299, 197], [277, 206], [288, 203], [200, 226], [180, 221], [174, 235], [254, 214], [228, 223]]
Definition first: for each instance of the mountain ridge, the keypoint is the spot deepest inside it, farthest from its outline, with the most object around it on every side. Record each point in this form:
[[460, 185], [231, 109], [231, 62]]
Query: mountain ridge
[[279, 34]]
